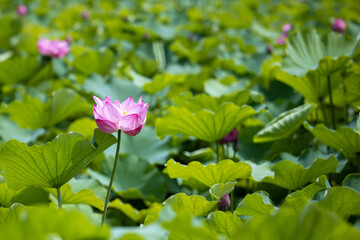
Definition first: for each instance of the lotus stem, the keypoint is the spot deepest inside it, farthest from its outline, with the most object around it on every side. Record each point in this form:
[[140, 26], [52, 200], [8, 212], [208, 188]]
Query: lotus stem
[[59, 197], [331, 104], [111, 179]]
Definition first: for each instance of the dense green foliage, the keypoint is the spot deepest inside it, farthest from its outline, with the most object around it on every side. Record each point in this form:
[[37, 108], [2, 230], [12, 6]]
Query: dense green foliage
[[205, 68]]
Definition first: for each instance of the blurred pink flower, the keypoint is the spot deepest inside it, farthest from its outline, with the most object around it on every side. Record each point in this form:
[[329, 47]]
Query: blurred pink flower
[[85, 14], [22, 10], [127, 116], [286, 27], [230, 137], [55, 48], [338, 25]]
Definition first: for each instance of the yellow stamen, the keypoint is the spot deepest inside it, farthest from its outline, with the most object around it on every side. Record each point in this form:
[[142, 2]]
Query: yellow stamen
[[124, 112]]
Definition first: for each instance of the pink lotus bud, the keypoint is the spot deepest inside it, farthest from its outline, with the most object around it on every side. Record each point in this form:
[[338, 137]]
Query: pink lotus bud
[[85, 15], [286, 28], [224, 203], [269, 49], [22, 10], [338, 25], [127, 116], [281, 41], [230, 137]]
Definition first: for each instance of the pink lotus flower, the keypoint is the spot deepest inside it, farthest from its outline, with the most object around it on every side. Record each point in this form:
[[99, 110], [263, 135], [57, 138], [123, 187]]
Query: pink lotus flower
[[338, 25], [22, 10], [55, 48], [127, 116], [286, 28], [85, 14]]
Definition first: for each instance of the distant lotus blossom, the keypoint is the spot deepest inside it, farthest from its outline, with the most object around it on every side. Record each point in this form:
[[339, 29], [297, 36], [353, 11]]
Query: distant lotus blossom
[[127, 116], [230, 137], [286, 28], [22, 10], [55, 48], [224, 203], [85, 14], [339, 25]]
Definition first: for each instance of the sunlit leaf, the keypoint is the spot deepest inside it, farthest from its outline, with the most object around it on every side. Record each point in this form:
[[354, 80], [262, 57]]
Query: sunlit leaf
[[220, 189], [257, 204], [92, 61], [10, 215], [223, 223], [204, 125], [222, 172], [50, 165], [81, 191]]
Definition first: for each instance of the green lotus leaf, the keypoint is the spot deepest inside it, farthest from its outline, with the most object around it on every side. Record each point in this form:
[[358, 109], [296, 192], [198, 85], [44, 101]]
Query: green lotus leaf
[[11, 130], [10, 215], [344, 201], [134, 178], [50, 165], [353, 180], [311, 223], [293, 173], [298, 200], [25, 196], [195, 204], [91, 61], [222, 172], [42, 223], [129, 210], [312, 86], [204, 125], [310, 51], [32, 113], [344, 139], [223, 223], [220, 189], [257, 204], [81, 191], [283, 125], [17, 70]]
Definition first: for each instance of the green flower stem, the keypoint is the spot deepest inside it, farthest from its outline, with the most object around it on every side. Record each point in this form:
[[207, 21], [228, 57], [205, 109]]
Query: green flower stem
[[331, 104], [232, 201], [59, 198], [112, 178], [323, 111]]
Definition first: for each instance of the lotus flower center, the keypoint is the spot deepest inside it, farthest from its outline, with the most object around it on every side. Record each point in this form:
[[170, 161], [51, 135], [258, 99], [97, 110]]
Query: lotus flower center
[[124, 112]]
